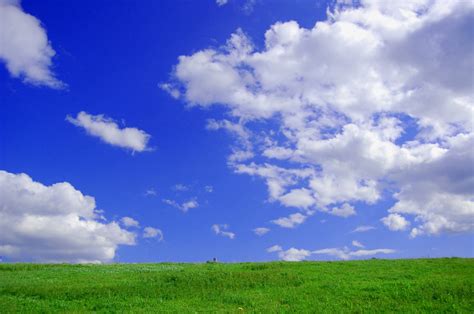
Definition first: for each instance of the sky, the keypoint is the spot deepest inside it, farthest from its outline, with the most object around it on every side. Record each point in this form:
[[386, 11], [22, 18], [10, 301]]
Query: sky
[[245, 130]]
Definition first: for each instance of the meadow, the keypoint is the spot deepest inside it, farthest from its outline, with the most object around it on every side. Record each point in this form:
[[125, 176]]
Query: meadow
[[408, 286]]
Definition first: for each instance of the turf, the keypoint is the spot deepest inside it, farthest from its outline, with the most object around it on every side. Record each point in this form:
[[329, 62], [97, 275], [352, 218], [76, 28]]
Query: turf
[[409, 286]]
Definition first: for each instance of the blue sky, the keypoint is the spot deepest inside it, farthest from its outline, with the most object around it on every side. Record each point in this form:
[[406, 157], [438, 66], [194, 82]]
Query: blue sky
[[362, 110]]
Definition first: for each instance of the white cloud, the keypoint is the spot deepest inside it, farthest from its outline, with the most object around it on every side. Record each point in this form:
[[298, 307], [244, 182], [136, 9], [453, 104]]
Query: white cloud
[[301, 198], [357, 244], [54, 223], [339, 253], [209, 188], [345, 210], [189, 204], [170, 90], [261, 231], [108, 131], [222, 230], [24, 46], [363, 228], [184, 207], [129, 222], [248, 6], [274, 248], [395, 222], [221, 2], [439, 192], [180, 187], [151, 192], [291, 221], [294, 255], [347, 254], [326, 126], [150, 232]]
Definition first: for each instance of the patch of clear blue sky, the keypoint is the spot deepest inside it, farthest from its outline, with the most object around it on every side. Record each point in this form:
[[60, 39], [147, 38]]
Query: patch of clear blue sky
[[113, 54]]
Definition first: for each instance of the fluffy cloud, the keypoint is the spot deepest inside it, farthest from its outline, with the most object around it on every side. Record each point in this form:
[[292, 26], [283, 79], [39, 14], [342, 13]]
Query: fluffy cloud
[[222, 230], [345, 210], [261, 231], [395, 222], [184, 207], [439, 192], [221, 2], [294, 255], [108, 131], [290, 255], [54, 223], [24, 46], [150, 232], [325, 128]]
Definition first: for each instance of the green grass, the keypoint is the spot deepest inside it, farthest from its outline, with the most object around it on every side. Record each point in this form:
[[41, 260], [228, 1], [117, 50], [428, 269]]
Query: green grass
[[409, 286]]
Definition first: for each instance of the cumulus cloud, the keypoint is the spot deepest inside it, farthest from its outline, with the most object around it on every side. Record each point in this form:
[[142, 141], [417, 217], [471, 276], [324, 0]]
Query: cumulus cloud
[[55, 223], [345, 210], [150, 232], [129, 222], [325, 128], [184, 207], [222, 231], [395, 222], [24, 46], [294, 255], [261, 231], [108, 131]]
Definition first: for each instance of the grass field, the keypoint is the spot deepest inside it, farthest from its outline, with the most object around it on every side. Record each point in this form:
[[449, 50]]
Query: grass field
[[421, 285]]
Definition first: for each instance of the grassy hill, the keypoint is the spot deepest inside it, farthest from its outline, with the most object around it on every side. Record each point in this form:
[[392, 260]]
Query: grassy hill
[[421, 285]]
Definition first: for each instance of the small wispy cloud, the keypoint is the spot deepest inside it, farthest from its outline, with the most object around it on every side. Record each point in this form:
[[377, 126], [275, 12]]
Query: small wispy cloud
[[184, 207], [151, 192], [291, 221], [261, 231], [221, 229], [363, 229], [275, 248], [180, 187], [221, 2], [357, 244], [150, 232], [294, 254], [129, 222], [345, 253]]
